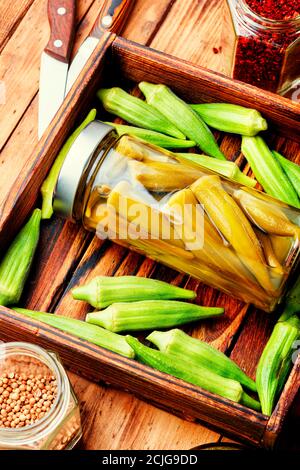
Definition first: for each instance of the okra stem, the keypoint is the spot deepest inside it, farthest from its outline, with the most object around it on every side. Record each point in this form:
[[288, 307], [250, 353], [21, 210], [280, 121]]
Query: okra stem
[[183, 116], [231, 118], [180, 368], [268, 171], [15, 265], [153, 137], [91, 333], [104, 290], [224, 168], [49, 184], [136, 111], [199, 353], [148, 314]]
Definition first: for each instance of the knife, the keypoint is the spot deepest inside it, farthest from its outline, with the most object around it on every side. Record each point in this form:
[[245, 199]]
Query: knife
[[55, 60], [112, 17]]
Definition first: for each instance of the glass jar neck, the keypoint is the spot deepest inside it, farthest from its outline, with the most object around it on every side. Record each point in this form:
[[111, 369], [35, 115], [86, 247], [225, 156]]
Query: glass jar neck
[[257, 23], [23, 437], [90, 173]]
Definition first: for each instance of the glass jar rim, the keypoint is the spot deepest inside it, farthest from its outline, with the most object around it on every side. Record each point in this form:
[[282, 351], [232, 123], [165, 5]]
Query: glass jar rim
[[53, 417], [260, 21]]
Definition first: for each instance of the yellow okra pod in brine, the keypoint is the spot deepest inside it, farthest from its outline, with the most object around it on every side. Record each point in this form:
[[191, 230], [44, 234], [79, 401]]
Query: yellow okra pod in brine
[[234, 225]]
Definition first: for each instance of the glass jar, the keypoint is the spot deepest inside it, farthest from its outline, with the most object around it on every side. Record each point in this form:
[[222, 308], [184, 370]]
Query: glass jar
[[261, 51], [60, 427], [231, 237]]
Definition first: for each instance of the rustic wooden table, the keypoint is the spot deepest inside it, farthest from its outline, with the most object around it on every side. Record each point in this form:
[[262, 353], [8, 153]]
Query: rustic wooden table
[[190, 29]]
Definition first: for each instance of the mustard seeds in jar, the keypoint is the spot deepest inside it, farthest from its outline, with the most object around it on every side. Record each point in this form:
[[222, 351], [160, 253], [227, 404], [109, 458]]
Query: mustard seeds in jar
[[38, 408]]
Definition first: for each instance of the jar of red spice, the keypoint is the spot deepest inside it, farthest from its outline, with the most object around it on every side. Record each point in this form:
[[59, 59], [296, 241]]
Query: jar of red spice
[[262, 43]]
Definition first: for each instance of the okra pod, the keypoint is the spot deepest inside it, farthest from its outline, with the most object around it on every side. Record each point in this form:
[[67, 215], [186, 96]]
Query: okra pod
[[268, 171], [148, 314], [183, 116], [234, 225], [91, 333], [199, 353], [136, 111], [16, 263], [208, 247], [179, 367], [103, 291], [231, 118], [276, 361], [49, 184], [155, 176], [292, 301], [151, 220], [153, 137], [266, 216], [224, 168], [291, 169]]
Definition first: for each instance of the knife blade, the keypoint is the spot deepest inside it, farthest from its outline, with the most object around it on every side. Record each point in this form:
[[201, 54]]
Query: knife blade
[[55, 60], [112, 17]]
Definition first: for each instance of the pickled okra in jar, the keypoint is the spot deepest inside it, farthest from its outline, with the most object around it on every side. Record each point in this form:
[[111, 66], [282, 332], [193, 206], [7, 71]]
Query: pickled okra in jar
[[233, 238]]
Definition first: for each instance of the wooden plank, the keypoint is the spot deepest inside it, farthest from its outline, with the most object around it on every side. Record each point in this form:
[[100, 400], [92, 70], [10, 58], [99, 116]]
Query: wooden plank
[[199, 38], [10, 18], [19, 71], [116, 420]]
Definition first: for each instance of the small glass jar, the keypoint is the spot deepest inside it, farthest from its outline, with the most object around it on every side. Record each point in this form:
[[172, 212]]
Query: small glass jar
[[261, 51], [60, 427], [181, 214]]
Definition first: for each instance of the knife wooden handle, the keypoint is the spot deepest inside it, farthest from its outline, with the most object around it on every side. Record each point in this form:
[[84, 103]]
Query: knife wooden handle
[[61, 15], [112, 17]]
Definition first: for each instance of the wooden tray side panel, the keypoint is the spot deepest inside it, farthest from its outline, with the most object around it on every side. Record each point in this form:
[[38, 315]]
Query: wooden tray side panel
[[101, 365], [197, 84]]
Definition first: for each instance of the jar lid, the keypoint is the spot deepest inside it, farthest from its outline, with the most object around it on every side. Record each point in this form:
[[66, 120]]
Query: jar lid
[[75, 164]]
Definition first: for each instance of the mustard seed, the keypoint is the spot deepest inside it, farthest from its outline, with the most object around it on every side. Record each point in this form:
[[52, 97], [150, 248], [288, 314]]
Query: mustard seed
[[24, 400]]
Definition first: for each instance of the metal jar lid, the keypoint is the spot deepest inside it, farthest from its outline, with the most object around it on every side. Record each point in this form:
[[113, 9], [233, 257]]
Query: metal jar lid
[[75, 164]]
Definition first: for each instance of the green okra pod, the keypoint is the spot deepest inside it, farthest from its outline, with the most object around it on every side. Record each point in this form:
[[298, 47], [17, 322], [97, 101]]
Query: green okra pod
[[148, 314], [178, 367], [49, 184], [136, 111], [16, 263], [153, 137], [91, 333], [291, 169], [183, 116], [224, 168], [104, 290], [231, 118], [268, 171], [276, 362], [292, 301], [199, 353]]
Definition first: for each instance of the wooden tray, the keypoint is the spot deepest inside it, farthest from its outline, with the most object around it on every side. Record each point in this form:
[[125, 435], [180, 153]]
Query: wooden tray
[[68, 255]]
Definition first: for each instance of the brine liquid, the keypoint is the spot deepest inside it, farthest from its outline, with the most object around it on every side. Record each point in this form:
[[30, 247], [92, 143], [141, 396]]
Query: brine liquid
[[233, 238]]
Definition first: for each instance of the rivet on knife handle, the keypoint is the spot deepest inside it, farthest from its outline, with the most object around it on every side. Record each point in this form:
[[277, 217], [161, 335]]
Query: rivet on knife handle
[[61, 15], [112, 17]]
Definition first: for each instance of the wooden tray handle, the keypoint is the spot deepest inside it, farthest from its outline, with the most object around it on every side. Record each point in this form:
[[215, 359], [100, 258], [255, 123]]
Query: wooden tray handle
[[112, 17], [61, 15]]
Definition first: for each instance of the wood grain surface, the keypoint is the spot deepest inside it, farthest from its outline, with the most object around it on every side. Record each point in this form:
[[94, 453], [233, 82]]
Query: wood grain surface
[[111, 419]]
